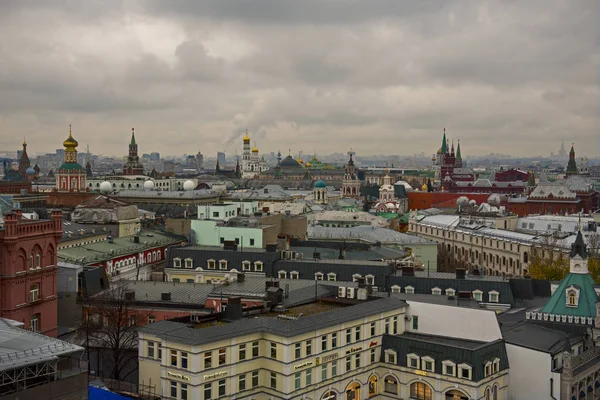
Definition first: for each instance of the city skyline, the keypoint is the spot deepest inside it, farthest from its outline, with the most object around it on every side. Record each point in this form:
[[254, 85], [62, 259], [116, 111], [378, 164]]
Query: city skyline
[[504, 78]]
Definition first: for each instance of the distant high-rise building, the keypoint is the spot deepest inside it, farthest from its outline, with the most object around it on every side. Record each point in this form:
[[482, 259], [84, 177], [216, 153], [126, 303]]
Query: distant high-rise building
[[154, 156], [221, 158], [199, 160]]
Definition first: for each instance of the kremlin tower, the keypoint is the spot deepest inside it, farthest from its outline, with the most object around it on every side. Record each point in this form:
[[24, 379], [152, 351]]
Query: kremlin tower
[[133, 165]]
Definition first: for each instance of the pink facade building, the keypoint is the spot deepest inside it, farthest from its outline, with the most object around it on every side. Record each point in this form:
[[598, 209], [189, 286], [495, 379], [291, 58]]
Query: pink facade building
[[28, 271]]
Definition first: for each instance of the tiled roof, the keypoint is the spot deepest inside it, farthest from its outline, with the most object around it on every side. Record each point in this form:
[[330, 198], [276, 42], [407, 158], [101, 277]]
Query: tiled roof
[[181, 333], [587, 297]]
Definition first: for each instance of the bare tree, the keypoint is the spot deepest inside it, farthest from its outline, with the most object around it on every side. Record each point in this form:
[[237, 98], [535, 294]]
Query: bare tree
[[593, 248], [109, 325], [449, 262]]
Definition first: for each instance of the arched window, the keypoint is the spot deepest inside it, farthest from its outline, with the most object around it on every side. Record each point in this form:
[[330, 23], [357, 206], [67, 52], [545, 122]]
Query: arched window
[[525, 257], [372, 386], [456, 395], [487, 394], [495, 392], [420, 391], [391, 384]]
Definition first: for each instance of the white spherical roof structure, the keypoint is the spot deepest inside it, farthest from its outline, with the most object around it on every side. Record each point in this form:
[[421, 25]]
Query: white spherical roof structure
[[462, 201], [494, 200], [105, 187], [148, 185], [189, 185]]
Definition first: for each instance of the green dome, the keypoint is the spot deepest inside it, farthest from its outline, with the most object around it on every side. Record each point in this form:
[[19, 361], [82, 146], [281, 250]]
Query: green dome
[[320, 185], [70, 167]]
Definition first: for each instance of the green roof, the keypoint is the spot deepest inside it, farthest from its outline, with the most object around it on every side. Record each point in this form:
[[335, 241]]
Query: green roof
[[587, 297], [71, 167]]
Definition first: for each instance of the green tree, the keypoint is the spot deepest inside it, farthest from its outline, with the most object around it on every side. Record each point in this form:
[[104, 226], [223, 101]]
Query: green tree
[[547, 261], [594, 256]]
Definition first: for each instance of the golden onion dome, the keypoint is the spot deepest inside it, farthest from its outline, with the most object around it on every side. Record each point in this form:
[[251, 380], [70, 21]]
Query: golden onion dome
[[255, 149], [70, 142], [300, 161], [424, 187], [439, 151], [308, 164], [246, 138]]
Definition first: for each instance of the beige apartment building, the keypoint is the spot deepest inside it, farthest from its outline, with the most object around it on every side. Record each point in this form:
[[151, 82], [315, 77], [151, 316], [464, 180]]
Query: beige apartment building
[[379, 349]]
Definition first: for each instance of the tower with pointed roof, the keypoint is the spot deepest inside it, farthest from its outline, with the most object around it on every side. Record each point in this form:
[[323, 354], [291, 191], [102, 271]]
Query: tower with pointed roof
[[24, 162], [351, 183], [572, 165], [458, 160], [133, 165], [70, 176]]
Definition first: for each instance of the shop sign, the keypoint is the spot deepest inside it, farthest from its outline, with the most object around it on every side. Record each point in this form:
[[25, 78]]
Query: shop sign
[[373, 343], [353, 350], [178, 376], [215, 375], [303, 365], [330, 357], [422, 373]]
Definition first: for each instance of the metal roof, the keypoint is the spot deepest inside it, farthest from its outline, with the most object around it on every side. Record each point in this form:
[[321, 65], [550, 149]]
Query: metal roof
[[367, 233], [20, 347], [183, 334]]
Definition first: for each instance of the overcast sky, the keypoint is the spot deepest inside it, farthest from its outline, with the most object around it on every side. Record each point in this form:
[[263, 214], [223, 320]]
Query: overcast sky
[[380, 76]]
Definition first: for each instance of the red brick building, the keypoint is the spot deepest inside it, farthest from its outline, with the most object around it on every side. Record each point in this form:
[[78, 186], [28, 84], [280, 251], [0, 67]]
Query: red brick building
[[28, 271]]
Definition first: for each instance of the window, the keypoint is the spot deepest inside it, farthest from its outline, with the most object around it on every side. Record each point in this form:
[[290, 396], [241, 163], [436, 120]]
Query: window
[[254, 379], [436, 291], [355, 277], [222, 356], [207, 391], [348, 363], [420, 391], [242, 382], [308, 348], [348, 336], [409, 290], [477, 294], [493, 296], [391, 384], [450, 292], [189, 281], [173, 358], [413, 361], [211, 264], [373, 328], [184, 360], [282, 274], [177, 262], [294, 275], [223, 264], [488, 368], [357, 360], [222, 386], [34, 292], [251, 242], [334, 340], [188, 263], [373, 355], [448, 368], [427, 364], [184, 391], [150, 349], [324, 343], [395, 325], [208, 359], [323, 372], [357, 333], [273, 380], [160, 351], [370, 280], [176, 280], [496, 365], [246, 266], [415, 322], [297, 383], [38, 260], [174, 389], [572, 296], [319, 276], [297, 351], [258, 266], [242, 352], [387, 326], [390, 357], [464, 371], [255, 349], [334, 366], [396, 289], [151, 319], [273, 350], [331, 276]]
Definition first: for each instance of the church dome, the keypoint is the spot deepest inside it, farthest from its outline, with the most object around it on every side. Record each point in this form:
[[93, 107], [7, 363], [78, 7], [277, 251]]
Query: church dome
[[424, 187], [246, 138], [308, 164], [300, 160], [320, 184], [289, 162], [255, 149], [30, 171], [70, 142]]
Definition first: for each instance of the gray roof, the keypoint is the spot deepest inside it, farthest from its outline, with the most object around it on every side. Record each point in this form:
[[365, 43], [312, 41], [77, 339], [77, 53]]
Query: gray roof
[[367, 233], [20, 347], [442, 348], [182, 333], [538, 337]]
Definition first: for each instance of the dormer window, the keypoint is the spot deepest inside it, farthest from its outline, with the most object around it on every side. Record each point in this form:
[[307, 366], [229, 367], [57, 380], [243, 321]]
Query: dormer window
[[390, 356], [572, 296], [294, 275], [464, 371], [355, 277], [450, 292], [319, 276], [477, 295], [436, 291], [258, 266], [188, 263], [493, 296], [409, 290], [177, 262], [282, 274], [413, 361], [396, 289], [211, 264], [370, 279], [223, 264], [245, 265], [331, 276]]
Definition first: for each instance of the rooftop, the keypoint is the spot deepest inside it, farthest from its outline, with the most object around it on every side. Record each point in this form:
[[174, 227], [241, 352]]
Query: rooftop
[[367, 233], [20, 347]]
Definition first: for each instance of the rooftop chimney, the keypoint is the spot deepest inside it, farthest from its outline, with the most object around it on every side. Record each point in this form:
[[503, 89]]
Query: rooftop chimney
[[460, 273]]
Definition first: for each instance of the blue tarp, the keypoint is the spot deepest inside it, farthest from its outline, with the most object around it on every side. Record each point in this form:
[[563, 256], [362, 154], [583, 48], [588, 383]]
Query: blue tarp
[[95, 393]]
